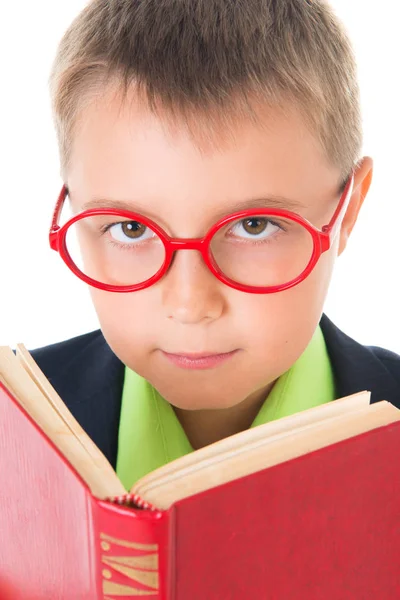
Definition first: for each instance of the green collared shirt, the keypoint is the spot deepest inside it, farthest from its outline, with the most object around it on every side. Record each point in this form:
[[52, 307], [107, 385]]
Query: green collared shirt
[[150, 434]]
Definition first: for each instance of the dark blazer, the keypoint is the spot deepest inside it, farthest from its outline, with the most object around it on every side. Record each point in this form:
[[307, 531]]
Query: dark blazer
[[89, 378]]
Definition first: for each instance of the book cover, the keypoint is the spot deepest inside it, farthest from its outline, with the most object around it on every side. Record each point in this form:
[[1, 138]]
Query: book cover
[[324, 525]]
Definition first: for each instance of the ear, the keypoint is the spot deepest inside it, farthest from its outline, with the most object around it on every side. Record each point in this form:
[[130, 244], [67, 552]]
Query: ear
[[362, 183]]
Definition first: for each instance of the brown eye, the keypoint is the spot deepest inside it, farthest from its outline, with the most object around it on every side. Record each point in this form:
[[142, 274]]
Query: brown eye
[[254, 229], [133, 229], [130, 232], [255, 226]]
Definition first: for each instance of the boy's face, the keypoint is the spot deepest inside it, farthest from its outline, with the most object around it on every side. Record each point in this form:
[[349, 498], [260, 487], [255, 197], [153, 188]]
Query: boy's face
[[127, 155]]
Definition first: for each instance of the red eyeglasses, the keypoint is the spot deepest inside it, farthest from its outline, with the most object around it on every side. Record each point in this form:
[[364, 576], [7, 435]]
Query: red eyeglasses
[[258, 251]]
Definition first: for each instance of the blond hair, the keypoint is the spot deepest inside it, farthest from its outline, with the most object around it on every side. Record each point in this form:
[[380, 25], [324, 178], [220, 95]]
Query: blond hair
[[206, 60]]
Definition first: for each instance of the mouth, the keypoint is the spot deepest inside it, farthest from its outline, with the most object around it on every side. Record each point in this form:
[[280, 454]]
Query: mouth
[[198, 361]]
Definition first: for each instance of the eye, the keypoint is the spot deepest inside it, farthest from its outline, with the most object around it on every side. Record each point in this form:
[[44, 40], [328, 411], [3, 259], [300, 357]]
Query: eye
[[130, 231], [257, 228]]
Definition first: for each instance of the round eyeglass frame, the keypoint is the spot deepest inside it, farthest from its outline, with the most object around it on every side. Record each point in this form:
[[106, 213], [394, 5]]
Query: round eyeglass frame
[[322, 242]]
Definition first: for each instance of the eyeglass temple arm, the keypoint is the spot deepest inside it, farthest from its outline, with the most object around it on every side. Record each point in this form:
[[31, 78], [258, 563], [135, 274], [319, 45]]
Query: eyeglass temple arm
[[333, 228], [54, 228]]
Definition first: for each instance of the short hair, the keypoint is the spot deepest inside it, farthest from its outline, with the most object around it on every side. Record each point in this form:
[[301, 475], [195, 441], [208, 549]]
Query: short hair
[[207, 61]]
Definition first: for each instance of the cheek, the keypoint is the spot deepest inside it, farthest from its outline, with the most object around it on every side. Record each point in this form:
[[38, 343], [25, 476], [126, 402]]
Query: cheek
[[281, 325], [127, 322]]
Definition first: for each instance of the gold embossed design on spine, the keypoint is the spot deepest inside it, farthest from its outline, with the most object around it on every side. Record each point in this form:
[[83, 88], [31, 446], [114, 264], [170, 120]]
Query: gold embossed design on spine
[[140, 568]]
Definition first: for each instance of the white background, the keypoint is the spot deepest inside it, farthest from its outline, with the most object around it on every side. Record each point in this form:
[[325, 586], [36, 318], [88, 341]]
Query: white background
[[41, 302]]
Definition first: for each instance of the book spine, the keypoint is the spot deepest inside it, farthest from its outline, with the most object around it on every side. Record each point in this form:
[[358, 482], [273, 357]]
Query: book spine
[[134, 552]]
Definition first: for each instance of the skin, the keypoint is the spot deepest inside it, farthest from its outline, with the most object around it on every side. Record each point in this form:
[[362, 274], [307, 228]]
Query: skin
[[128, 154]]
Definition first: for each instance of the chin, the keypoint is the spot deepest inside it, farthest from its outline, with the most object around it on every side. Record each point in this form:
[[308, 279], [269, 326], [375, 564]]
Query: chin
[[198, 404]]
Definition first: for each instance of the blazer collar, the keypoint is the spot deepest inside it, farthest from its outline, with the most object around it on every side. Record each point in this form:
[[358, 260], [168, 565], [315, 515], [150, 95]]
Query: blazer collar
[[357, 367]]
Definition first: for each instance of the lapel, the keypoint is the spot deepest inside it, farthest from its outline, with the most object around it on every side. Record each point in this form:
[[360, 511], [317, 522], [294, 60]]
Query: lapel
[[89, 378], [358, 368]]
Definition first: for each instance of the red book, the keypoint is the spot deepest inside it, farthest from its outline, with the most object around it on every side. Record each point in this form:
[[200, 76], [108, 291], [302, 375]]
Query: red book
[[321, 525]]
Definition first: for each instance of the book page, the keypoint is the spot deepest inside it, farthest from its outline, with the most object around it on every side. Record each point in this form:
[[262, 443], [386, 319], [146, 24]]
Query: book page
[[101, 482], [30, 366], [262, 432], [262, 455]]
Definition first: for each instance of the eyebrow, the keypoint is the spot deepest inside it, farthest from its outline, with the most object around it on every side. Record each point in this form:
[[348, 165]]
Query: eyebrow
[[266, 202]]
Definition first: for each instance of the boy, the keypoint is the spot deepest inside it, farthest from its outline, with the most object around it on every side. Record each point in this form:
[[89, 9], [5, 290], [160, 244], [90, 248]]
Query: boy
[[210, 154]]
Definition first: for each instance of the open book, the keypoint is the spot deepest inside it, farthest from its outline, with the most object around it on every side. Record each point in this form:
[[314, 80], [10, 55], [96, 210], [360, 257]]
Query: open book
[[155, 547]]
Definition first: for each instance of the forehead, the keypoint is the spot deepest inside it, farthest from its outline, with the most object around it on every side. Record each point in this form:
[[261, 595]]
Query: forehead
[[123, 152]]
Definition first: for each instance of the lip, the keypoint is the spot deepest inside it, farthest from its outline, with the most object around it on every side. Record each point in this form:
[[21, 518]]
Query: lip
[[199, 361]]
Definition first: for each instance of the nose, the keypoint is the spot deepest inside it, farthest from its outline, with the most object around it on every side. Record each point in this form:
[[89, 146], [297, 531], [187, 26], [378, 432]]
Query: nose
[[191, 293]]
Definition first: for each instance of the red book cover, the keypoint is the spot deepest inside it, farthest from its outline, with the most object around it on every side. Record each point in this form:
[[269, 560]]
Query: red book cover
[[322, 526]]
